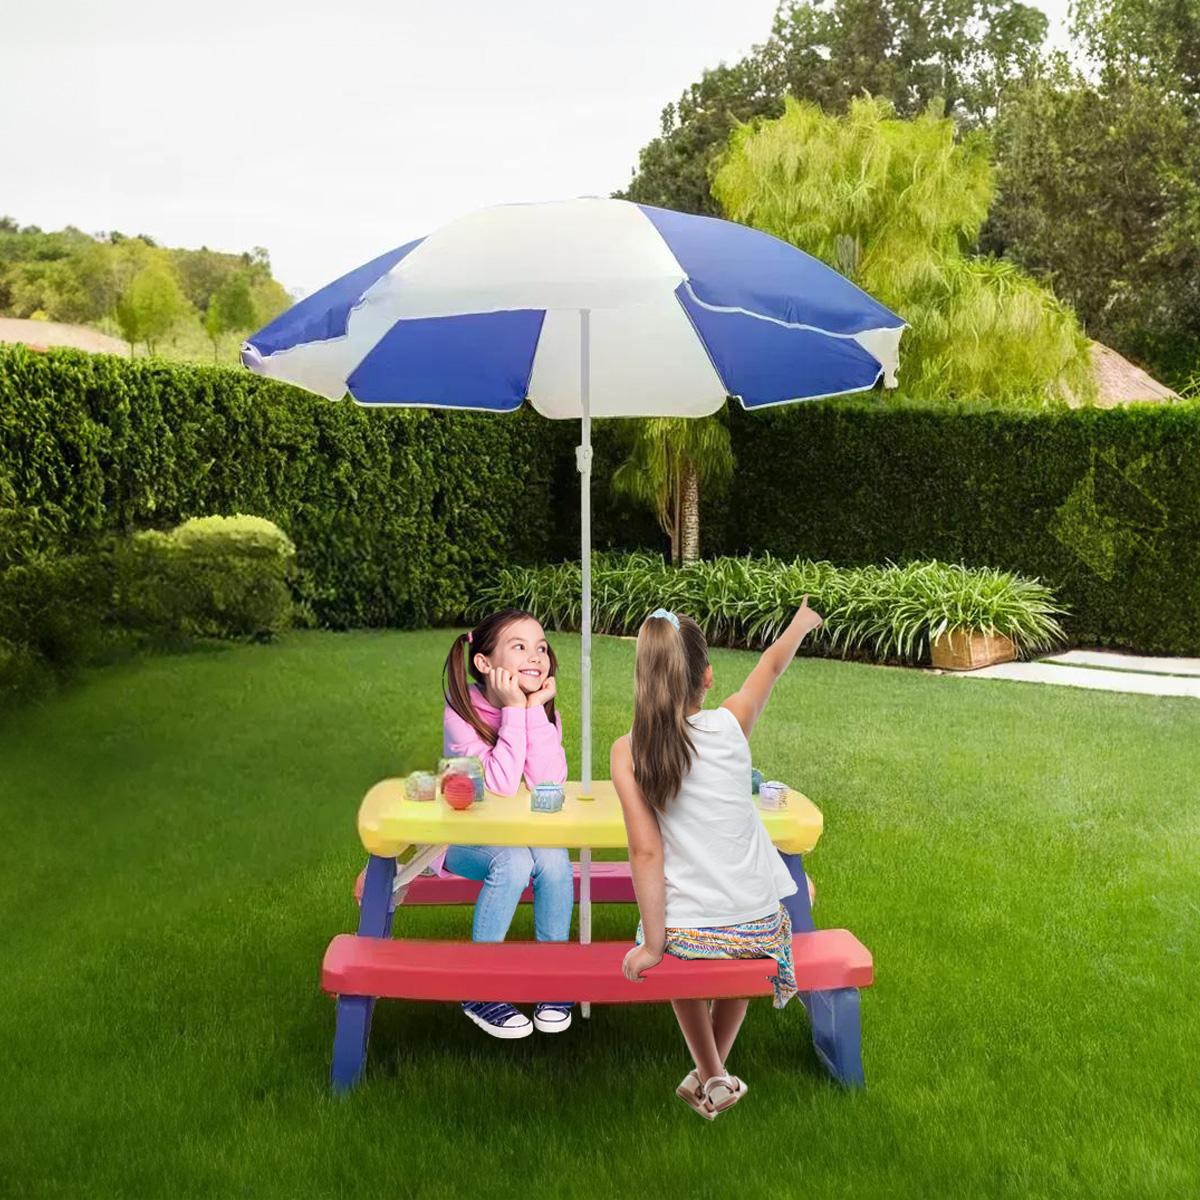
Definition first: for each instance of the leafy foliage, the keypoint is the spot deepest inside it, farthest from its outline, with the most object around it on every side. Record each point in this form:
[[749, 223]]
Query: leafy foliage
[[910, 52], [223, 577], [893, 204], [1099, 191], [391, 525], [152, 304], [887, 612], [231, 309], [398, 517], [670, 460], [69, 276]]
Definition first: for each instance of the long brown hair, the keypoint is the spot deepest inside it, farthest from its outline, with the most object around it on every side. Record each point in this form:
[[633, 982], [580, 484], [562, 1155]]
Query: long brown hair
[[668, 674], [482, 640]]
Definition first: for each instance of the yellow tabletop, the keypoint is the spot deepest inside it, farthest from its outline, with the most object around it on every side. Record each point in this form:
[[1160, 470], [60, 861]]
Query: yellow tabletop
[[388, 821]]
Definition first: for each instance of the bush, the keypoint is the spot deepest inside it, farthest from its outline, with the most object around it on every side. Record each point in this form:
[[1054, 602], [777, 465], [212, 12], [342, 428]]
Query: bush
[[399, 515], [220, 577], [53, 621], [889, 613], [394, 513]]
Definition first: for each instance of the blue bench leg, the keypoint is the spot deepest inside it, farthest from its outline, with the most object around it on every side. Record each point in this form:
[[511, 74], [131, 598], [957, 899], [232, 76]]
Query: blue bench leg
[[350, 1040], [353, 1029], [834, 1015], [837, 1033]]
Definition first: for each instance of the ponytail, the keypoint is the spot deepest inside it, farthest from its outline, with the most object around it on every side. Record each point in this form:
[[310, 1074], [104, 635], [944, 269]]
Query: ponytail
[[458, 692], [668, 674]]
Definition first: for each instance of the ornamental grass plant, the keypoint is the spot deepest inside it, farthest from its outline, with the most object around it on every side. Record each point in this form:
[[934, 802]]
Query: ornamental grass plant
[[888, 613]]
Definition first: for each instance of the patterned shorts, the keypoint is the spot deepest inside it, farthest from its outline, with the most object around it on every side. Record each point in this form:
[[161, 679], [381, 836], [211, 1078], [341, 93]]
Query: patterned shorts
[[770, 937]]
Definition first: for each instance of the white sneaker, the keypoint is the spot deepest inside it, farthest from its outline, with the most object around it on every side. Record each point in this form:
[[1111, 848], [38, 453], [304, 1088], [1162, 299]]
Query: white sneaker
[[552, 1018]]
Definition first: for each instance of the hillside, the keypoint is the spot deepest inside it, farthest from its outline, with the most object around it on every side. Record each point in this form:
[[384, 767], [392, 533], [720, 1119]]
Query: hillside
[[190, 304]]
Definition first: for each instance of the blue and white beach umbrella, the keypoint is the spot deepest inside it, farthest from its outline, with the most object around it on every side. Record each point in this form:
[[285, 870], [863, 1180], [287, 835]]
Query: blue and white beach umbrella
[[586, 308]]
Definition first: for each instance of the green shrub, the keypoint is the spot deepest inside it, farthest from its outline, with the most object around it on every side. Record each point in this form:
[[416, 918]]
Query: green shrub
[[394, 512], [221, 577], [53, 620], [889, 613], [399, 515]]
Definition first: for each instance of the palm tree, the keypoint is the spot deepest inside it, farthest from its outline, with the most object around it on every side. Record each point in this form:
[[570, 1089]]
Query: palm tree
[[670, 460]]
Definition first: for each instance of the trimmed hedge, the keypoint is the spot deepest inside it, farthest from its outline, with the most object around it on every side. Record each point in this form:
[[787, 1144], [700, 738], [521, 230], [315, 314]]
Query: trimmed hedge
[[1101, 504], [399, 514], [394, 513]]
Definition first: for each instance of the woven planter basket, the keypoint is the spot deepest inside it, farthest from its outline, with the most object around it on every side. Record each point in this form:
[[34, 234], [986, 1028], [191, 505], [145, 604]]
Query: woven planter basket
[[963, 650]]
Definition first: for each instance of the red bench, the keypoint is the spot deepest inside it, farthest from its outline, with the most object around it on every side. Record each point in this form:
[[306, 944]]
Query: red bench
[[518, 971], [831, 966]]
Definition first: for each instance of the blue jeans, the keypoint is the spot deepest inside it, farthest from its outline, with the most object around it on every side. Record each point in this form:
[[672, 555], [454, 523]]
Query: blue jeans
[[506, 872]]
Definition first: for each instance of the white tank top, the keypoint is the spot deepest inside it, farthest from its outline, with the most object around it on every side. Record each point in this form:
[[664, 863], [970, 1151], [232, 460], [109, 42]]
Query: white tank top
[[719, 863]]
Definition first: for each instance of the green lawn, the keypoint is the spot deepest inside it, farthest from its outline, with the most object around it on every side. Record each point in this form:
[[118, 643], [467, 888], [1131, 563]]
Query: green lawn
[[178, 846]]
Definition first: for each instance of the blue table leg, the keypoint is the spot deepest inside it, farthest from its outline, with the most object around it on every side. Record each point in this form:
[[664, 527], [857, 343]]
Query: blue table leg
[[834, 1015], [353, 1029]]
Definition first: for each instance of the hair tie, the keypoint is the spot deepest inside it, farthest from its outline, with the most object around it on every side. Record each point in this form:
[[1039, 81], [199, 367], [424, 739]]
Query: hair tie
[[469, 636], [670, 616]]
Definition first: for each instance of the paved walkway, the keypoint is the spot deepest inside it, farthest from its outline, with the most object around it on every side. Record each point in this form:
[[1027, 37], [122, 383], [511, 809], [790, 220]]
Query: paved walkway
[[1103, 669]]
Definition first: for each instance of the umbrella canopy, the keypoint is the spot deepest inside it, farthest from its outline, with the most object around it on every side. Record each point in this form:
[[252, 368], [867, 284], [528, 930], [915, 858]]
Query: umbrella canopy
[[586, 308], [685, 311]]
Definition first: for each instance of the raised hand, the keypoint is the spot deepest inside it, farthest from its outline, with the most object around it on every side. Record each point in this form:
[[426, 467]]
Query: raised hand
[[806, 617]]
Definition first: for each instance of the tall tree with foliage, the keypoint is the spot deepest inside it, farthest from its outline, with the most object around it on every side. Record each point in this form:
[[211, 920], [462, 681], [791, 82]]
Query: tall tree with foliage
[[152, 303], [669, 462], [1155, 42], [896, 205], [1099, 180], [230, 310], [907, 51]]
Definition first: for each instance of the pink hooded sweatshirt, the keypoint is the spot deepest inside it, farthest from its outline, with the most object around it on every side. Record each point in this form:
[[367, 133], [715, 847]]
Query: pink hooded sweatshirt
[[526, 744]]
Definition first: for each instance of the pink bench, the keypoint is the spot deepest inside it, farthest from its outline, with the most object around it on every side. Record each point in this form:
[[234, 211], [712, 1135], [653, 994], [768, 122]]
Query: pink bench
[[517, 971], [611, 884]]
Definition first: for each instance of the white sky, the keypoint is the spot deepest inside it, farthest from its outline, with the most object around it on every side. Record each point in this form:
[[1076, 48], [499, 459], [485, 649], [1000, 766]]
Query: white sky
[[330, 132]]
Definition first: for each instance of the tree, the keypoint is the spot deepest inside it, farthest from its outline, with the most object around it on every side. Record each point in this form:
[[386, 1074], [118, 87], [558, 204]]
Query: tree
[[202, 272], [230, 309], [151, 304], [48, 286], [1099, 191], [270, 299], [669, 462], [1155, 42], [895, 205], [907, 51]]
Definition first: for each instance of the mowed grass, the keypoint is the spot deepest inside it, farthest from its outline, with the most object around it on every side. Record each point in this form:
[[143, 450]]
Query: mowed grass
[[179, 846]]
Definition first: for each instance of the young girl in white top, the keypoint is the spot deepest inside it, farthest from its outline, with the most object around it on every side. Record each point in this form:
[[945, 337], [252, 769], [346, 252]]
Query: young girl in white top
[[709, 883]]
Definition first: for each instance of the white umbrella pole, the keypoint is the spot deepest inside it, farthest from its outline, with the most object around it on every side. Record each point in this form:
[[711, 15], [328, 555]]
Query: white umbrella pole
[[585, 522]]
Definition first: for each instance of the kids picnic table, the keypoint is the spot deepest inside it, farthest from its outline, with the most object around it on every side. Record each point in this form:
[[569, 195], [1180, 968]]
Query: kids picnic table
[[831, 965]]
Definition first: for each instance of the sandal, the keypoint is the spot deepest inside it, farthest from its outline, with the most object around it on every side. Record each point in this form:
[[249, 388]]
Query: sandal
[[723, 1091], [691, 1092]]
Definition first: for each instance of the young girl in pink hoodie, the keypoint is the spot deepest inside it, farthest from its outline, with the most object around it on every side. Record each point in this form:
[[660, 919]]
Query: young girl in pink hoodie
[[506, 719]]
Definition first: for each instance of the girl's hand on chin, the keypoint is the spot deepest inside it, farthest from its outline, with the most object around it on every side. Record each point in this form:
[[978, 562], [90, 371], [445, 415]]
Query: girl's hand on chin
[[505, 686], [545, 693]]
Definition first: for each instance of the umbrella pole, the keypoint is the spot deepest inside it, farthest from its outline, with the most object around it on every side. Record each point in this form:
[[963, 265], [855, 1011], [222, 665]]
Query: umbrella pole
[[585, 524]]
